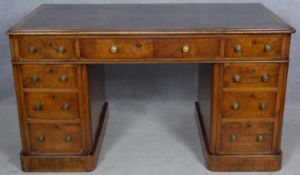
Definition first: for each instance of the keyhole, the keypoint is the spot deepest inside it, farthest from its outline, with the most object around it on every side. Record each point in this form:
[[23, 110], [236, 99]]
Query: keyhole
[[254, 42], [249, 125]]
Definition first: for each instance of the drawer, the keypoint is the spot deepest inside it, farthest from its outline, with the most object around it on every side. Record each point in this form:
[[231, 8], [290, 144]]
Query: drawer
[[246, 137], [49, 76], [253, 47], [251, 75], [55, 138], [115, 48], [187, 48], [52, 105], [46, 48], [249, 104]]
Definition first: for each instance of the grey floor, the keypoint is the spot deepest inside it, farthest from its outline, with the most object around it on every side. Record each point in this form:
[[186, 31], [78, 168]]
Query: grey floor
[[148, 138]]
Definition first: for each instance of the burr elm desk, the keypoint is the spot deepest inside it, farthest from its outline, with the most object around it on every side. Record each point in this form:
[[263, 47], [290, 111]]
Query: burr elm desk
[[58, 55]]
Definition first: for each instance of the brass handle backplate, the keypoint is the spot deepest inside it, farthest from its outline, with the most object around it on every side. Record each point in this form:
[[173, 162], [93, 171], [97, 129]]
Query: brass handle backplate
[[38, 107], [61, 49], [65, 107], [63, 78], [235, 106], [260, 138], [263, 106], [237, 78], [35, 78], [268, 48], [41, 139], [185, 49], [32, 50], [238, 49], [114, 49], [265, 78], [68, 138], [233, 138]]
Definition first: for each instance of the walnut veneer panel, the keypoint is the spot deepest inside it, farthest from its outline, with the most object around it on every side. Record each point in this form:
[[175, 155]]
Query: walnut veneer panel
[[253, 47], [249, 104], [49, 76], [52, 105], [46, 48], [124, 48], [246, 137], [251, 75], [55, 138], [196, 48]]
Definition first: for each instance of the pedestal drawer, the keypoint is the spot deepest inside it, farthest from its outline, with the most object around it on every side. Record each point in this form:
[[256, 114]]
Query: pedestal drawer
[[251, 75], [46, 48], [246, 137], [249, 104], [54, 138], [49, 76], [52, 105], [254, 47]]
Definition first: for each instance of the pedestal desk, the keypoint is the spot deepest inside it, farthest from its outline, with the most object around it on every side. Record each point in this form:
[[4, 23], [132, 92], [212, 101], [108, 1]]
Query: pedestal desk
[[59, 52]]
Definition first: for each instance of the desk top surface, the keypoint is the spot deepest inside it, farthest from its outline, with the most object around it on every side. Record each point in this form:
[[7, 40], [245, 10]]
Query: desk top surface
[[151, 18]]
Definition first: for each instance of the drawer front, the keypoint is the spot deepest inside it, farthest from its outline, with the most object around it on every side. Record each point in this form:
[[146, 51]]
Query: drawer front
[[187, 48], [55, 138], [52, 105], [249, 104], [49, 76], [251, 75], [115, 48], [246, 137], [46, 48], [253, 47]]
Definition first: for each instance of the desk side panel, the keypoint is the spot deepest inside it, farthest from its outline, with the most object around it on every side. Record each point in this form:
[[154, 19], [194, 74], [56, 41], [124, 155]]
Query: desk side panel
[[205, 77], [96, 81]]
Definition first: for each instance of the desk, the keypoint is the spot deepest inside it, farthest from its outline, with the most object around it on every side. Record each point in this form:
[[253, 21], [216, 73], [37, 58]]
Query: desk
[[61, 95]]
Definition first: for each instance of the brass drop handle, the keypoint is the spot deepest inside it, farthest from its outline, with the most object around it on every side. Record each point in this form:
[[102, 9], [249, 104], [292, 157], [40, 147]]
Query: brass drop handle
[[260, 138], [65, 107], [263, 106], [233, 138], [61, 49], [265, 78], [35, 78], [237, 78], [68, 138], [38, 107], [41, 139], [268, 48], [238, 48], [185, 49], [63, 78], [235, 106], [114, 49], [32, 49]]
